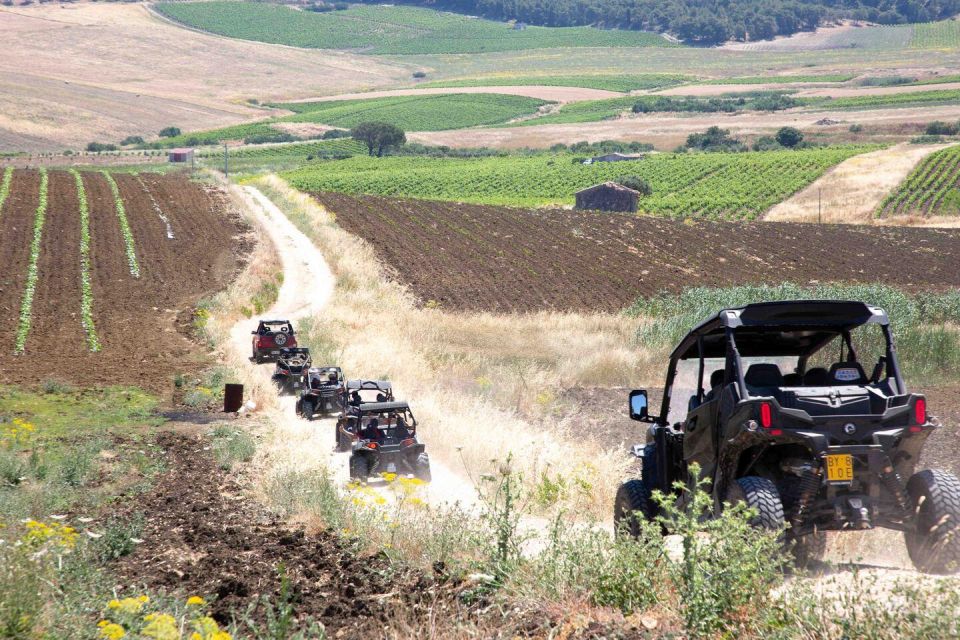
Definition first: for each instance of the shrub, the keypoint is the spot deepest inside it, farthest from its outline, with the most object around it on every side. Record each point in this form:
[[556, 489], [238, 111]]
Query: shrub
[[714, 139], [637, 184], [419, 74], [169, 132], [333, 134], [939, 128], [97, 147], [766, 143], [270, 137], [789, 137], [856, 128], [132, 140]]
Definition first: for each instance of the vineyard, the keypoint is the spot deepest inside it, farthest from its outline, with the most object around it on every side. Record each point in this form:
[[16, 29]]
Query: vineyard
[[917, 98], [483, 258], [623, 83], [94, 285], [833, 77], [932, 189], [417, 113], [937, 35], [388, 29], [711, 185]]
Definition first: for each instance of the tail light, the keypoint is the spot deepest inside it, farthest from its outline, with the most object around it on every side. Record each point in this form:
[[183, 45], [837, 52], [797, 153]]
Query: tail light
[[408, 442], [766, 415], [919, 414], [371, 445]]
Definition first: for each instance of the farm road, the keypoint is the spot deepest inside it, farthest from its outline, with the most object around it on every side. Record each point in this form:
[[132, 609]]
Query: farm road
[[308, 285]]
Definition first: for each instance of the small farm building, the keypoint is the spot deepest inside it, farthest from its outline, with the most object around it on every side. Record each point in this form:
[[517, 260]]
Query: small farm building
[[608, 196], [617, 157], [181, 155]]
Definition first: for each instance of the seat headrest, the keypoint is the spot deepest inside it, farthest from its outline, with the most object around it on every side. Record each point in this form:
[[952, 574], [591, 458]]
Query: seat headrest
[[716, 378], [816, 377], [847, 373], [764, 374]]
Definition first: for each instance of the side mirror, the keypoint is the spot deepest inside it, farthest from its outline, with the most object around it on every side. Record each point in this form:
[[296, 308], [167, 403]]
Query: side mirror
[[639, 405]]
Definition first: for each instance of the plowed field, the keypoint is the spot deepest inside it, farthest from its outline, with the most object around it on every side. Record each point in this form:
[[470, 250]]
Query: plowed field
[[136, 319], [484, 258]]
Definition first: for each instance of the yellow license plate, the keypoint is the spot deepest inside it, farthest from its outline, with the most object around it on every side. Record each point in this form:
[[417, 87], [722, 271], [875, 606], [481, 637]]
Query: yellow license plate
[[840, 467]]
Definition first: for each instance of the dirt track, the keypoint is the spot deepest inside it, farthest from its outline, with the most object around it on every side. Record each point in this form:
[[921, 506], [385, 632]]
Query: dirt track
[[136, 319], [479, 258]]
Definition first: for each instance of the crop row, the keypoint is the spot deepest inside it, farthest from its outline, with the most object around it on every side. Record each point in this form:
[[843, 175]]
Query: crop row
[[944, 34], [932, 188], [713, 185], [5, 186], [946, 96], [86, 290], [124, 226], [26, 307]]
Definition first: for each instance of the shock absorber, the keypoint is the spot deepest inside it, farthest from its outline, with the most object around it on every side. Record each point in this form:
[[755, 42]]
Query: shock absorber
[[809, 485], [891, 480]]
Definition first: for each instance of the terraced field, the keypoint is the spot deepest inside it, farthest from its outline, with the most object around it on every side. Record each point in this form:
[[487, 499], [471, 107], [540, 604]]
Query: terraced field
[[932, 189], [95, 280], [388, 29], [481, 258], [713, 185]]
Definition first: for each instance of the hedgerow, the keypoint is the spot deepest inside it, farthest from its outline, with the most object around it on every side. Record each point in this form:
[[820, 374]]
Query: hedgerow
[[26, 307], [124, 226], [86, 290]]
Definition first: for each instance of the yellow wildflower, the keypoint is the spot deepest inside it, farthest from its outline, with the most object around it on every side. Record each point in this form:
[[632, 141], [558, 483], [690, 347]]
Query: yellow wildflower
[[196, 601], [111, 630], [389, 477], [127, 606], [161, 627]]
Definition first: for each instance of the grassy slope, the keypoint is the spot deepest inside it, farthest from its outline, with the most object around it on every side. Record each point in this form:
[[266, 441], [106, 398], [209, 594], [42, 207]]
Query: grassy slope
[[388, 30], [738, 185], [418, 113]]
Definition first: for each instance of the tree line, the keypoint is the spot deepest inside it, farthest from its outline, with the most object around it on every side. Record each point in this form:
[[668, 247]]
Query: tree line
[[701, 21]]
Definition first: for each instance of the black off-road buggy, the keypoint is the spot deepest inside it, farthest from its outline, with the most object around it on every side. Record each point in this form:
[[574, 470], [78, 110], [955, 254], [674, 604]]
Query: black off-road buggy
[[358, 392], [323, 394], [290, 374], [270, 337], [386, 442], [773, 402]]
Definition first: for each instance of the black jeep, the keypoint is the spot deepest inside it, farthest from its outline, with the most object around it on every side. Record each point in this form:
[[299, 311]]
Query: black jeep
[[356, 393], [323, 393], [773, 402], [290, 373], [386, 442]]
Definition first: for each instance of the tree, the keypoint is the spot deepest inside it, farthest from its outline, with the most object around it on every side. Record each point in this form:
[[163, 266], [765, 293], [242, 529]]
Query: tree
[[169, 132], [378, 136], [789, 137]]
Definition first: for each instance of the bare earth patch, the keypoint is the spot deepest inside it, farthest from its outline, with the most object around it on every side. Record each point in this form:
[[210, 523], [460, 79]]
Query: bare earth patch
[[76, 73], [852, 191]]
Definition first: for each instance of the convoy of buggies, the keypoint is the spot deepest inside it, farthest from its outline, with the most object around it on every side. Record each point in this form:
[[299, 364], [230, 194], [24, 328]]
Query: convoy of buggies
[[379, 432]]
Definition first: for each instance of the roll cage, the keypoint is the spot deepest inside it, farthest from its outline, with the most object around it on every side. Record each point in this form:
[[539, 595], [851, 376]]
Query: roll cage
[[777, 329]]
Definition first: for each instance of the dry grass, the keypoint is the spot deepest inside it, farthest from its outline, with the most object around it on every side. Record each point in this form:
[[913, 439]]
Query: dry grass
[[481, 385], [79, 72], [853, 190]]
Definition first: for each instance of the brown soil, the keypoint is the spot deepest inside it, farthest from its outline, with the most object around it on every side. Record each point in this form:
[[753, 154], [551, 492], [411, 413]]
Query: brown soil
[[482, 258], [16, 219], [202, 536], [136, 319]]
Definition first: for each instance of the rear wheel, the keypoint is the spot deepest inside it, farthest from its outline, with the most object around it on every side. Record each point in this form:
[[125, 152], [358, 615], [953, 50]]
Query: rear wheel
[[762, 496], [633, 503], [934, 543], [359, 468], [343, 440], [422, 468]]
